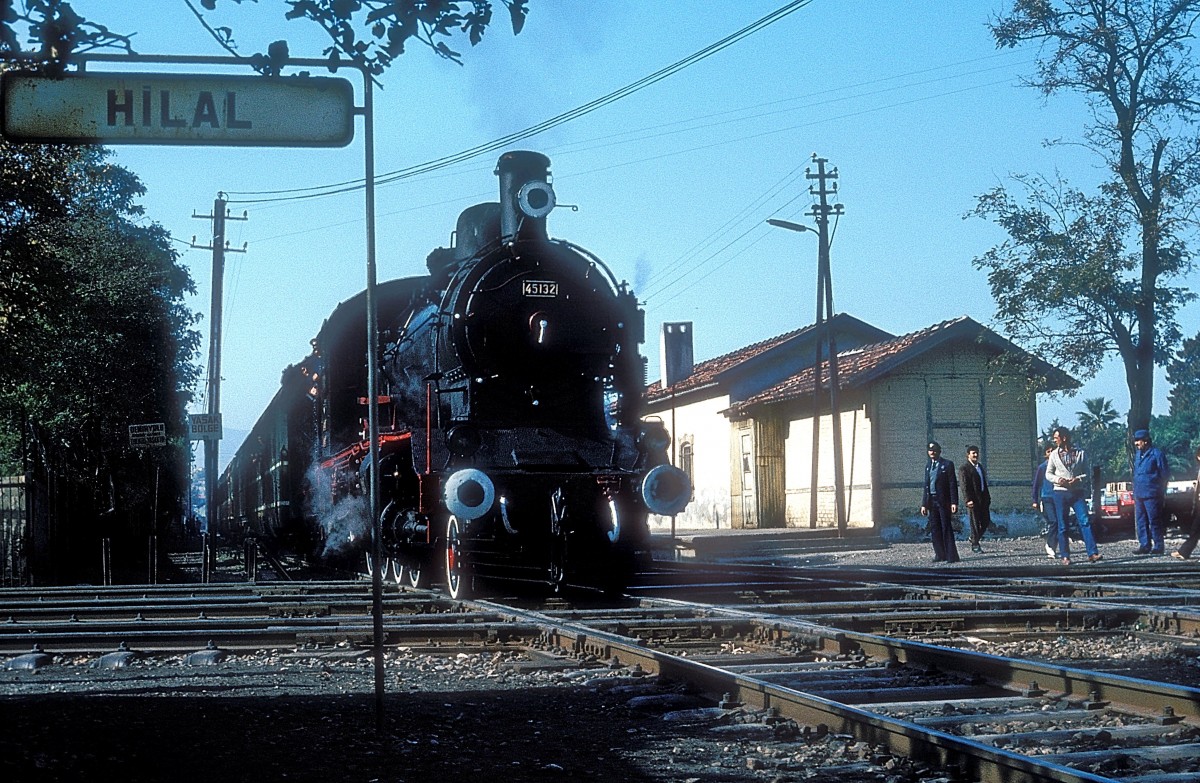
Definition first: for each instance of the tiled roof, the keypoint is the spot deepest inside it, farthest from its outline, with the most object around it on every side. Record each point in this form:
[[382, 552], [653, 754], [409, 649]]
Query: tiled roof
[[705, 373], [860, 365]]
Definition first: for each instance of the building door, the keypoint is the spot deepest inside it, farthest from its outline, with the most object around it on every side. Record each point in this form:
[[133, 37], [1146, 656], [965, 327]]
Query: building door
[[746, 463]]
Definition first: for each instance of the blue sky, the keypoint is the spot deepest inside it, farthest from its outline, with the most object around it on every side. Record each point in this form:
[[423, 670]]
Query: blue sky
[[911, 102]]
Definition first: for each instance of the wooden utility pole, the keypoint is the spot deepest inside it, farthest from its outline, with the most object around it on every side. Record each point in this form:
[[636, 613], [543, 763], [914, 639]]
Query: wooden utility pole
[[826, 186], [212, 448]]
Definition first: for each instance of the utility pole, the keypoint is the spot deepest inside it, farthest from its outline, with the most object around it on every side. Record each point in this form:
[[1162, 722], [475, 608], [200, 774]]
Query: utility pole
[[212, 448], [826, 186]]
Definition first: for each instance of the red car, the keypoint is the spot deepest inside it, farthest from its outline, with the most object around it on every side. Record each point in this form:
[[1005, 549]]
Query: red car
[[1116, 505]]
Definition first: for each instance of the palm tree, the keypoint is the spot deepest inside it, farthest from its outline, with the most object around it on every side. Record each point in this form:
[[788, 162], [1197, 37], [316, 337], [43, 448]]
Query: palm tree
[[1098, 416]]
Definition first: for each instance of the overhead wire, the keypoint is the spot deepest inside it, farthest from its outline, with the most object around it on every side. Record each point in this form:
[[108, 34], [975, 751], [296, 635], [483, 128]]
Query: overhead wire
[[533, 130]]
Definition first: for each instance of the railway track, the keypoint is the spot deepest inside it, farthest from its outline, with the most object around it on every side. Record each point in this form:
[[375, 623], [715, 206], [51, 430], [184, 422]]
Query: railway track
[[874, 654]]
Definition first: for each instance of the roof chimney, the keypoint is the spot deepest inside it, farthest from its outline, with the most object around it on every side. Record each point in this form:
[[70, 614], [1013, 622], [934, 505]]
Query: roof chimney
[[677, 358]]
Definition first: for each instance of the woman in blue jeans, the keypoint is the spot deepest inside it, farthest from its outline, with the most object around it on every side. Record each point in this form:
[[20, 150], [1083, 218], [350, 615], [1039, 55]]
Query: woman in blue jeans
[[1066, 469]]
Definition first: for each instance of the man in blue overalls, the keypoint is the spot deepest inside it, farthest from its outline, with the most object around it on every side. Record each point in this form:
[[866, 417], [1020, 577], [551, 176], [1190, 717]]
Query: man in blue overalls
[[1150, 474]]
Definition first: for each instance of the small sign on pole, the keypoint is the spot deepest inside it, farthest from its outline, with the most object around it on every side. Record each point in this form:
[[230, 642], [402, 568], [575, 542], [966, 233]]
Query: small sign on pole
[[204, 426], [147, 436]]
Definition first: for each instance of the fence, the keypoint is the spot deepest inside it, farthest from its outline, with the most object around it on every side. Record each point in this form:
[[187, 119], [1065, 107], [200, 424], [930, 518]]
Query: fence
[[16, 532]]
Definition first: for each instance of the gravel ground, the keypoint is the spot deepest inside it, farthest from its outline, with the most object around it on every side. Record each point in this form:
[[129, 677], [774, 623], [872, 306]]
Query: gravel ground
[[296, 717], [302, 716]]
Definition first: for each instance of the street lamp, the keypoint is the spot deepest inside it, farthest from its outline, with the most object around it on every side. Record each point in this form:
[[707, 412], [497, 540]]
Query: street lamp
[[816, 417], [789, 225], [823, 331]]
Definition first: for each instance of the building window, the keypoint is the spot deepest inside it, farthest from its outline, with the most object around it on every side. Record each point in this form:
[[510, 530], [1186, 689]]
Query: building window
[[685, 462], [747, 459]]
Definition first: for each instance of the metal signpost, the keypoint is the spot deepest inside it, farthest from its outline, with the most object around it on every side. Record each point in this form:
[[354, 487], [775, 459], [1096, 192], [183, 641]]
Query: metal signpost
[[214, 109], [204, 426]]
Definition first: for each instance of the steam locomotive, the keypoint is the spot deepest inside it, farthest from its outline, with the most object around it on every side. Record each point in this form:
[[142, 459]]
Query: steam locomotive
[[511, 441]]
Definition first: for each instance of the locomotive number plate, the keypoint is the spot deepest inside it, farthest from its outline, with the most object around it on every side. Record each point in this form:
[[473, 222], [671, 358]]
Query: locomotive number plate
[[542, 288]]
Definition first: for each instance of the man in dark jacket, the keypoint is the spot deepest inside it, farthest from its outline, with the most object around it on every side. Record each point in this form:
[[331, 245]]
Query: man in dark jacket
[[939, 501], [978, 497]]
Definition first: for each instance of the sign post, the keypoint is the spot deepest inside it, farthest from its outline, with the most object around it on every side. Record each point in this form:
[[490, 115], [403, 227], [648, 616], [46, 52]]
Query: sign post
[[147, 436], [204, 426]]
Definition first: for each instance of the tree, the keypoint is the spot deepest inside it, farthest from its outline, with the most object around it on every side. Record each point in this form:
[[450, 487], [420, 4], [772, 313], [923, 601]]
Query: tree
[[94, 334], [371, 34], [1064, 282], [1107, 447], [1098, 414], [1183, 372]]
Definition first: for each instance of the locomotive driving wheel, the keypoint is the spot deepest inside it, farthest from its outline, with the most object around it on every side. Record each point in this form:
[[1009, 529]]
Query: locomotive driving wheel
[[413, 573], [369, 567], [460, 582], [558, 563]]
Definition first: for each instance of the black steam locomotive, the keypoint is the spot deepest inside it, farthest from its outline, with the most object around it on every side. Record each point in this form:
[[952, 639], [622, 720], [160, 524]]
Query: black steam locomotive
[[511, 442]]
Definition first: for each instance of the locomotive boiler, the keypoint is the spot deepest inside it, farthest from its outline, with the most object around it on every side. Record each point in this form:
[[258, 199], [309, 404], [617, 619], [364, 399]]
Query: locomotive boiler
[[511, 441]]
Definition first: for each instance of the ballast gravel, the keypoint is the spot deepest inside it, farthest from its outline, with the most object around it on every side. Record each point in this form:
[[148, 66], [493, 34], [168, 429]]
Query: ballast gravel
[[302, 716]]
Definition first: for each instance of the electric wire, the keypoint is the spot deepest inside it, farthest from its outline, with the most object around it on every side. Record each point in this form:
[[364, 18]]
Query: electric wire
[[533, 130]]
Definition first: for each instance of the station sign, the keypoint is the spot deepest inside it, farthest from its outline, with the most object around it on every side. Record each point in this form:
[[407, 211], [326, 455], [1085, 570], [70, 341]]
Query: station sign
[[204, 426], [145, 108], [147, 436]]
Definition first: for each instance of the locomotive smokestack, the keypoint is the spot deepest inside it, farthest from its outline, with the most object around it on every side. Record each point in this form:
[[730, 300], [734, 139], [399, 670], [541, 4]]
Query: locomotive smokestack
[[526, 196]]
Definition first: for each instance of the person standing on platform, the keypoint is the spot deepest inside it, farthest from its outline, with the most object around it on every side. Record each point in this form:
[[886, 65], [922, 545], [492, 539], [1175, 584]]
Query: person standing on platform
[[1043, 501], [939, 501], [1184, 552], [1067, 471], [978, 497], [1150, 474]]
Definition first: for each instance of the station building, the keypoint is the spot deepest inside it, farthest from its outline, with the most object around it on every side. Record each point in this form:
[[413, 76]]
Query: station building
[[742, 423]]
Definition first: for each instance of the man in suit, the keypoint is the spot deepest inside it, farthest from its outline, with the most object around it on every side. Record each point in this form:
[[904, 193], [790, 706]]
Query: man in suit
[[939, 501], [978, 496]]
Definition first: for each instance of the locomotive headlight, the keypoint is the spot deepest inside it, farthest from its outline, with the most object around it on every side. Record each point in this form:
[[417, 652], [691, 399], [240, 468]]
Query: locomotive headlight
[[666, 490], [536, 199], [469, 493]]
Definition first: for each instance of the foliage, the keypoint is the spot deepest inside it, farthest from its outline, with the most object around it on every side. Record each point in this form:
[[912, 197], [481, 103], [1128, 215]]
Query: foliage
[[1082, 276], [55, 30], [1098, 414], [94, 335], [1177, 438], [1183, 373], [1106, 444], [370, 34]]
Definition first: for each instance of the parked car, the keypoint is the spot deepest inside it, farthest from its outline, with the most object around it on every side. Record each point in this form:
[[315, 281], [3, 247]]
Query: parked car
[[1116, 505]]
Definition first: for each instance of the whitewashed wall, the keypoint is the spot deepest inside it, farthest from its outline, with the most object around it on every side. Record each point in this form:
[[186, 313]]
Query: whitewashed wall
[[702, 426], [856, 462]]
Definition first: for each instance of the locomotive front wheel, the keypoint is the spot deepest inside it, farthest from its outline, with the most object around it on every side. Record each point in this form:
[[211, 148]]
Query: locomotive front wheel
[[369, 567], [414, 574], [459, 580]]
